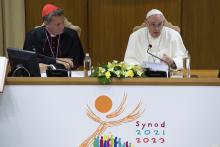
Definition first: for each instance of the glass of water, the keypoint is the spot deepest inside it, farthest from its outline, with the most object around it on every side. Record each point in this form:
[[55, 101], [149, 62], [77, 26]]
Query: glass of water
[[186, 66]]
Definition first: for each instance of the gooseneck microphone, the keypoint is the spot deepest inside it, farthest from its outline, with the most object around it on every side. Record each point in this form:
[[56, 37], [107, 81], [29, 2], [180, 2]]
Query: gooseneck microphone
[[52, 58], [149, 47]]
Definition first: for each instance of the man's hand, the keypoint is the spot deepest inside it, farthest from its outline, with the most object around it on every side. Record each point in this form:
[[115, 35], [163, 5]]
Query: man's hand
[[169, 60], [67, 62]]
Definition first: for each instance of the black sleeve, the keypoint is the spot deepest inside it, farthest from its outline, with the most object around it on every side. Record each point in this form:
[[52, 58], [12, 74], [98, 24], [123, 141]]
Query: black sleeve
[[28, 42], [32, 43], [78, 58], [72, 47]]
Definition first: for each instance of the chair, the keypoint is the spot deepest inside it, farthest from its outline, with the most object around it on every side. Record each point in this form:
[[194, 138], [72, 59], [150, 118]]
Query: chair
[[219, 73], [166, 23], [68, 25]]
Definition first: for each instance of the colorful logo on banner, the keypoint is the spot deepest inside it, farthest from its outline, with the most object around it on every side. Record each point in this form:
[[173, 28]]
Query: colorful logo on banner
[[103, 104], [110, 141], [145, 132]]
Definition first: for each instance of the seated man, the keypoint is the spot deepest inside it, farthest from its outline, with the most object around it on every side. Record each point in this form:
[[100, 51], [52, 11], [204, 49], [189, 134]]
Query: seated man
[[161, 41], [55, 40]]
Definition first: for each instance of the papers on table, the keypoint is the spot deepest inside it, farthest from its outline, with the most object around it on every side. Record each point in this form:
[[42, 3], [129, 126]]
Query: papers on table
[[73, 74], [156, 67]]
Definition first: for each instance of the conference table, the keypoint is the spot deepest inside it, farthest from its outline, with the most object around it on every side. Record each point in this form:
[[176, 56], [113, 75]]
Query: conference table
[[140, 112]]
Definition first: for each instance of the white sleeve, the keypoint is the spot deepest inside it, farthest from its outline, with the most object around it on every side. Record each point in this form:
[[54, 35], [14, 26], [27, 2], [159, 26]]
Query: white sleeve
[[178, 51], [130, 54]]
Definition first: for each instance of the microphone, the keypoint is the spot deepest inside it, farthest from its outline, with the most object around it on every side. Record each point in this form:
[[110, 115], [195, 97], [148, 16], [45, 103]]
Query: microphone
[[149, 47], [158, 73], [52, 58]]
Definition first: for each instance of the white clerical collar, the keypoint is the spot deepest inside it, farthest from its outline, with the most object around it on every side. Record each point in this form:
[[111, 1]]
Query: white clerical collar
[[51, 35]]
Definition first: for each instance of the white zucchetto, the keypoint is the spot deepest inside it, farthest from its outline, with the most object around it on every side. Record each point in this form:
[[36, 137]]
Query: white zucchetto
[[153, 12]]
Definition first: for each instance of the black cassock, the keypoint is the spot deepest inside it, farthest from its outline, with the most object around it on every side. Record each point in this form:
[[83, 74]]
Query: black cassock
[[65, 45]]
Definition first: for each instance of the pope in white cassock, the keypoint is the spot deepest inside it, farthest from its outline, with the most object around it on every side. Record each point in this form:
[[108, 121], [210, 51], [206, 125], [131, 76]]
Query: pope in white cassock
[[166, 43]]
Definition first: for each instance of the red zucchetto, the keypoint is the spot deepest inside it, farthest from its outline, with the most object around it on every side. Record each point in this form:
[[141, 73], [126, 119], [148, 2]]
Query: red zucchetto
[[48, 8]]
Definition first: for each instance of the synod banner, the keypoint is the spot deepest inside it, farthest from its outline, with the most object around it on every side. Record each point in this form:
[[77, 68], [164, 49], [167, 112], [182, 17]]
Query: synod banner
[[113, 115]]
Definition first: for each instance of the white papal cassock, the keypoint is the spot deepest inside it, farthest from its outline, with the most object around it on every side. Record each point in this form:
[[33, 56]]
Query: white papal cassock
[[169, 42]]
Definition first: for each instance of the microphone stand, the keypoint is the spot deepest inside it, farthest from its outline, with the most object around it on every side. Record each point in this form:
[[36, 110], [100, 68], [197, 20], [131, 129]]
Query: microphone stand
[[149, 47], [52, 58]]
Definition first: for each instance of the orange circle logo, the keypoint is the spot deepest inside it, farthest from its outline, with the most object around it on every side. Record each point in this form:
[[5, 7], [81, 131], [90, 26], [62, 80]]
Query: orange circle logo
[[103, 103]]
